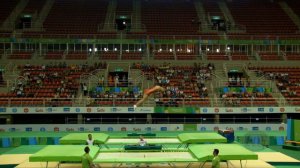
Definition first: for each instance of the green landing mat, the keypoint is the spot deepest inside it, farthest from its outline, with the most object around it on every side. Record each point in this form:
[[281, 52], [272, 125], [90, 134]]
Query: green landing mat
[[26, 149]]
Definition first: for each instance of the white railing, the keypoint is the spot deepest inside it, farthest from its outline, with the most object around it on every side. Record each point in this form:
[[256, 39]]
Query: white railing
[[165, 102]]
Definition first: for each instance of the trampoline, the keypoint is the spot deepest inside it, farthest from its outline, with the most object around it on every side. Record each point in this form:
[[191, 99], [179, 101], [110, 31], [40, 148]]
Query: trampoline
[[62, 153], [80, 138], [195, 153], [104, 139]]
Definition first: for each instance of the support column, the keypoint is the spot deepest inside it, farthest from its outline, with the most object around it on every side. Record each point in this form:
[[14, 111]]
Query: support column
[[149, 119], [283, 118], [79, 119], [217, 119]]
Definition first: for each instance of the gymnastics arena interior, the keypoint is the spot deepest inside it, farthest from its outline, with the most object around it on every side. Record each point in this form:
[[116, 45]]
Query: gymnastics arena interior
[[69, 68]]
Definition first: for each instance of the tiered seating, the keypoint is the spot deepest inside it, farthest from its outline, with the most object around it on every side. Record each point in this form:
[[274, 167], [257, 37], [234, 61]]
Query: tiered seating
[[185, 56], [124, 7], [77, 55], [34, 6], [288, 81], [177, 17], [50, 85], [212, 8], [184, 84], [76, 17], [217, 56], [109, 55], [164, 55], [293, 56], [261, 17], [54, 55], [269, 56], [5, 33], [247, 96], [132, 55], [239, 56], [21, 55], [1, 53], [295, 5], [6, 8]]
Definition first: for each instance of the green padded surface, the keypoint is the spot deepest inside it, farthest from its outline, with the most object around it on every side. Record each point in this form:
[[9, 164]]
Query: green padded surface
[[226, 152], [145, 157], [58, 153], [136, 141], [193, 138], [80, 138], [26, 149]]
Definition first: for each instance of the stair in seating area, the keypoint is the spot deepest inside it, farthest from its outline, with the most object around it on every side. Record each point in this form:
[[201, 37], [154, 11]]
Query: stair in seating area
[[201, 15], [110, 16], [38, 24], [226, 12], [10, 21], [293, 16], [136, 17]]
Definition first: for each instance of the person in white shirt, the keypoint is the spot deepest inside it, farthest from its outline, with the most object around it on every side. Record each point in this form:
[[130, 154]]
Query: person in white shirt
[[90, 140], [142, 141]]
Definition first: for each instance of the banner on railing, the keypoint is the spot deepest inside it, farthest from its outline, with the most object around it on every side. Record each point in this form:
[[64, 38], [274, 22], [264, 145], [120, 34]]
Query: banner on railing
[[36, 110], [178, 110], [138, 127], [171, 110], [226, 110]]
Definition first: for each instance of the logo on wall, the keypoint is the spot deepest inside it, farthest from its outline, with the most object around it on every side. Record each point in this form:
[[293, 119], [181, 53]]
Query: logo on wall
[[49, 110], [136, 129], [69, 129], [100, 110], [282, 109], [203, 129], [271, 109], [26, 110], [244, 110], [39, 110], [261, 109], [130, 109], [229, 110], [81, 129], [56, 129], [148, 129], [2, 110], [123, 129], [255, 128], [97, 129], [268, 129], [217, 110], [88, 110], [163, 129], [110, 129], [14, 110], [67, 109], [281, 128], [144, 110], [240, 128], [28, 129], [297, 109], [42, 129], [77, 110], [12, 129], [205, 110]]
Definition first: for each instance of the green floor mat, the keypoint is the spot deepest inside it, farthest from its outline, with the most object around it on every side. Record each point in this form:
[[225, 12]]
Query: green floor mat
[[26, 149], [4, 150]]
